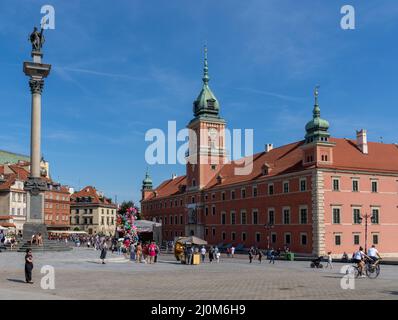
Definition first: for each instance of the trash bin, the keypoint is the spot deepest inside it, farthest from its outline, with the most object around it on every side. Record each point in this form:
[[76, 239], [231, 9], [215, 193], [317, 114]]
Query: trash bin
[[196, 258], [290, 256]]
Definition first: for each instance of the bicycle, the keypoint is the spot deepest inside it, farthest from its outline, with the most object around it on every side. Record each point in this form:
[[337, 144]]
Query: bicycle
[[371, 269]]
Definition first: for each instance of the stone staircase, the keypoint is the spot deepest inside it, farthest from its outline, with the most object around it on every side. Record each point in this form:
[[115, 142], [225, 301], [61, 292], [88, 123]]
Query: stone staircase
[[48, 245]]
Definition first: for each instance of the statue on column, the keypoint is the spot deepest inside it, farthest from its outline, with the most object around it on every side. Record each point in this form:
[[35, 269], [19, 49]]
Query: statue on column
[[37, 39]]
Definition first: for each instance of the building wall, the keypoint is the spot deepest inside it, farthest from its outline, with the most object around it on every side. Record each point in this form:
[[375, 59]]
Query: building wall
[[294, 200], [13, 203], [93, 218], [57, 208], [385, 199]]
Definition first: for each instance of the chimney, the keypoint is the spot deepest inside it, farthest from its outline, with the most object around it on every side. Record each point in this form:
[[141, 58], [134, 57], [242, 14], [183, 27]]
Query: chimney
[[362, 141], [269, 147]]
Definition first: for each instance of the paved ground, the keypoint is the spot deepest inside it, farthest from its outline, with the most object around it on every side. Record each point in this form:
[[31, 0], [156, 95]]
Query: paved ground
[[79, 275]]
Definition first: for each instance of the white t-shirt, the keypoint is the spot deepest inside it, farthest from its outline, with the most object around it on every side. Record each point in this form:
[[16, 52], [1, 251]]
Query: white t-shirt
[[233, 250], [372, 252], [203, 251], [358, 255]]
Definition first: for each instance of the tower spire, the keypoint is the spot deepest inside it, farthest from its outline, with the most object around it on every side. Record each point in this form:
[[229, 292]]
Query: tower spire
[[317, 110], [206, 77]]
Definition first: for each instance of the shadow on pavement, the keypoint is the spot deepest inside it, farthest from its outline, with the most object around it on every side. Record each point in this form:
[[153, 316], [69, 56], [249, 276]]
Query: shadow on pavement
[[16, 280]]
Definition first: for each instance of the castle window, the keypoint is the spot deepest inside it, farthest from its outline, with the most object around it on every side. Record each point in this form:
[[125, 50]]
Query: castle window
[[374, 186], [303, 185], [258, 237], [243, 193], [233, 217], [254, 191], [223, 196], [223, 218], [232, 195], [193, 183], [286, 216], [336, 184], [270, 189], [286, 187], [355, 185]]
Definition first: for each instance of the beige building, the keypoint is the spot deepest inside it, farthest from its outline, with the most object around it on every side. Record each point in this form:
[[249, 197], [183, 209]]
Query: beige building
[[92, 212], [12, 201]]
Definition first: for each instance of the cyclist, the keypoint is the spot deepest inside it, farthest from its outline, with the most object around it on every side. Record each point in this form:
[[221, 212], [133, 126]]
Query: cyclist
[[359, 257], [373, 254]]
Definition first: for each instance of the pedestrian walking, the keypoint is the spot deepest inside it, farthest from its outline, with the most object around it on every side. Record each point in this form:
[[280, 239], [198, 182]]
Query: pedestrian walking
[[138, 252], [211, 254], [218, 255], [250, 256], [260, 255], [157, 252], [104, 249], [28, 266], [232, 251], [132, 252], [203, 253], [329, 262], [152, 252]]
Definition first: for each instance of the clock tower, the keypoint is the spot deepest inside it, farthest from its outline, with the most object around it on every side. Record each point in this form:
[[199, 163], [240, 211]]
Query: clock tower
[[206, 152]]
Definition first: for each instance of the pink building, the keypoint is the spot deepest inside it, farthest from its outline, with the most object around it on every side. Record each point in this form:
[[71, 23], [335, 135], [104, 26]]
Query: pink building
[[316, 195]]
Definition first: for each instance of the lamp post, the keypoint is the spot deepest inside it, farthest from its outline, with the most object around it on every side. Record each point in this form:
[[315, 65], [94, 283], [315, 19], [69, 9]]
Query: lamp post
[[268, 226], [366, 217]]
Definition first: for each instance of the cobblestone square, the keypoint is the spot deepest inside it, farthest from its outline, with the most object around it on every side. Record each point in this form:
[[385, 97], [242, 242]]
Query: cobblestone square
[[80, 275]]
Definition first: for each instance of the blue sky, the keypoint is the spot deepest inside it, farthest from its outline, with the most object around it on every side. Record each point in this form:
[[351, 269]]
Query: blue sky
[[123, 67]]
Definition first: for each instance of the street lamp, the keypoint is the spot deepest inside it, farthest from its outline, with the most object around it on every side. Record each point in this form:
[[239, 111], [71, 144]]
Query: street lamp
[[366, 217], [268, 226]]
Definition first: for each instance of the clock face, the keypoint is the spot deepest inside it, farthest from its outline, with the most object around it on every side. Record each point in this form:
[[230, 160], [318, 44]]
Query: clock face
[[213, 133]]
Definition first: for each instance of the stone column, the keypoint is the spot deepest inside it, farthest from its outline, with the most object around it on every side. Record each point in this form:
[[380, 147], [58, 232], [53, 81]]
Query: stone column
[[36, 87], [318, 213], [35, 186]]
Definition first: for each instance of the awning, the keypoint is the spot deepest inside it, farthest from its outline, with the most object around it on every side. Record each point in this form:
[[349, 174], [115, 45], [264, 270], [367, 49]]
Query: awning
[[7, 224], [3, 228], [146, 225], [192, 240], [67, 231]]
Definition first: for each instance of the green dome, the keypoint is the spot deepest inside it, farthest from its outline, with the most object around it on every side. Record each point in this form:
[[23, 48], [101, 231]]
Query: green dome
[[206, 104], [147, 182], [317, 124], [317, 128]]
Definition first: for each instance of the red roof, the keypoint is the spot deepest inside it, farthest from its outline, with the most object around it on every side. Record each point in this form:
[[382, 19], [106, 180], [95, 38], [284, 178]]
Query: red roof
[[91, 192], [288, 158]]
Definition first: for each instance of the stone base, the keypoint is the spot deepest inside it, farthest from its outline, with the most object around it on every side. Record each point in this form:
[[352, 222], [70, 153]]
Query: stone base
[[196, 230], [30, 228]]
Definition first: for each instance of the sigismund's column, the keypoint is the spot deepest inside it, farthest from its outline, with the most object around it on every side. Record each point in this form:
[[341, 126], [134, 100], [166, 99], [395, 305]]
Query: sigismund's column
[[35, 185]]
